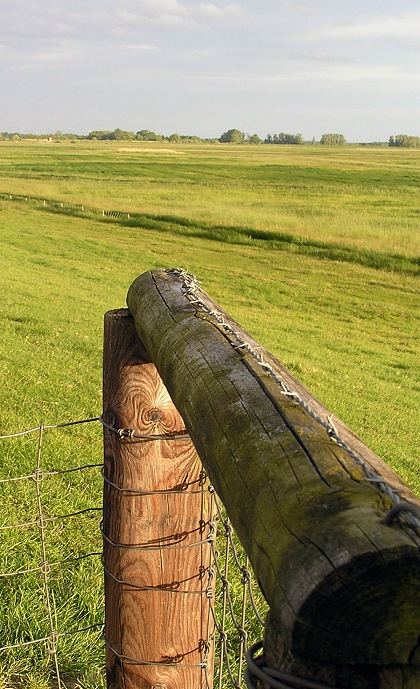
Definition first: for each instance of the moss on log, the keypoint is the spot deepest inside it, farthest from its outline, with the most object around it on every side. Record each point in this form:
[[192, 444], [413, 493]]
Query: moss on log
[[342, 585]]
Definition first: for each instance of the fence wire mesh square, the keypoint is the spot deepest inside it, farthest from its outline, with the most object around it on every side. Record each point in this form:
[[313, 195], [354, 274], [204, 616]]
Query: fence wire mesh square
[[51, 572]]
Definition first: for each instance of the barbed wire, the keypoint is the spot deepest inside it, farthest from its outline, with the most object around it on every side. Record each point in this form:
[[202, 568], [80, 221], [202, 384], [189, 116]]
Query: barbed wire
[[132, 434], [407, 516], [234, 617]]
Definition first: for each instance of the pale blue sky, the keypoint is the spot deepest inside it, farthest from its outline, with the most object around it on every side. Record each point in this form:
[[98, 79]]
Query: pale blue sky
[[203, 67]]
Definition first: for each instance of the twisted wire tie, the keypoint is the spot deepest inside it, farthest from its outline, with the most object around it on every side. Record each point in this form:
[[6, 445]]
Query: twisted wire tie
[[162, 546], [132, 434], [161, 588], [169, 661], [163, 491]]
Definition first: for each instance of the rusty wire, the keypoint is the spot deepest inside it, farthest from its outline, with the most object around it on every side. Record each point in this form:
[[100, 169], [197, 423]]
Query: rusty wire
[[233, 615], [235, 606]]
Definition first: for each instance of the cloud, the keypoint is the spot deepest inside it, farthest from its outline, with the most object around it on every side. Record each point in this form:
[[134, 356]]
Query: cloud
[[140, 47], [130, 19], [32, 27], [220, 11], [162, 6], [176, 14], [343, 73], [405, 25]]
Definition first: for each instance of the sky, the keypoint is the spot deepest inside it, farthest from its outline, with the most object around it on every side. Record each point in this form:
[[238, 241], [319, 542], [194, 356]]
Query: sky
[[192, 67]]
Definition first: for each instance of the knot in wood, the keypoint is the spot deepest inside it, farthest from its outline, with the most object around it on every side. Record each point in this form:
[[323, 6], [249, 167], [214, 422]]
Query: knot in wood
[[154, 414]]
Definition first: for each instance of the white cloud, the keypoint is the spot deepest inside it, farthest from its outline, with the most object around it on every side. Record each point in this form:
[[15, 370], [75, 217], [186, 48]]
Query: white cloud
[[157, 8], [176, 14], [46, 55], [220, 11], [164, 13], [405, 25], [129, 19], [211, 10]]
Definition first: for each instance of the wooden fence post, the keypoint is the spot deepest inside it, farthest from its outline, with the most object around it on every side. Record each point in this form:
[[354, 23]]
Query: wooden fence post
[[156, 518], [309, 501]]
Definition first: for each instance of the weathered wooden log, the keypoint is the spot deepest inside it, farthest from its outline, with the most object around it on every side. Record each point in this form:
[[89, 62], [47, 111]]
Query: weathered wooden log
[[156, 514], [341, 584]]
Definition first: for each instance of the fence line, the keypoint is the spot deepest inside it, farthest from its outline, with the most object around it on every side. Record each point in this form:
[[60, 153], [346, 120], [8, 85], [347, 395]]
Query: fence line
[[235, 605], [234, 612], [239, 606], [63, 206]]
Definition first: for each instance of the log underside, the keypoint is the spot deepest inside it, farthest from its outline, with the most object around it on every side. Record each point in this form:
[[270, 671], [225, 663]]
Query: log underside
[[342, 586]]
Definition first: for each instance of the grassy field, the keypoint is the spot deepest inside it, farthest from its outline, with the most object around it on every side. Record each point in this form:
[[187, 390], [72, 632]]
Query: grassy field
[[348, 330], [363, 197]]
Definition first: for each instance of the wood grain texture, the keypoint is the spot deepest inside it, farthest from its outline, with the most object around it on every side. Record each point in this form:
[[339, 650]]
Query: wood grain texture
[[158, 626], [342, 586]]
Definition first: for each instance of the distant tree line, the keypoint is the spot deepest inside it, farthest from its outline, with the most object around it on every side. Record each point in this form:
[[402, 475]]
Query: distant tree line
[[283, 138], [231, 136], [332, 139], [143, 135], [17, 136], [404, 141], [235, 136], [107, 135]]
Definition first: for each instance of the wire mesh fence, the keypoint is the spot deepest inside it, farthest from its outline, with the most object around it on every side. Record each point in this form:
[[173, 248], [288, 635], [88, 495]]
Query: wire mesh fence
[[51, 573], [238, 609], [50, 562]]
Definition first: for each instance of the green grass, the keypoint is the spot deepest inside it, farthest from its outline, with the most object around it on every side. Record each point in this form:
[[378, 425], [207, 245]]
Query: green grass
[[228, 234], [347, 329], [366, 198]]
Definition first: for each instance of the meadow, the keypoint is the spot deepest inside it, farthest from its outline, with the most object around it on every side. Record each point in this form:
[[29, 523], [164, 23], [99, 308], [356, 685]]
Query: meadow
[[363, 197], [313, 250]]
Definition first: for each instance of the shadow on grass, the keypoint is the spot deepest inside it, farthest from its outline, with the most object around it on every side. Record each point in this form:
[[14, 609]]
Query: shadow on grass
[[246, 236], [274, 240]]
